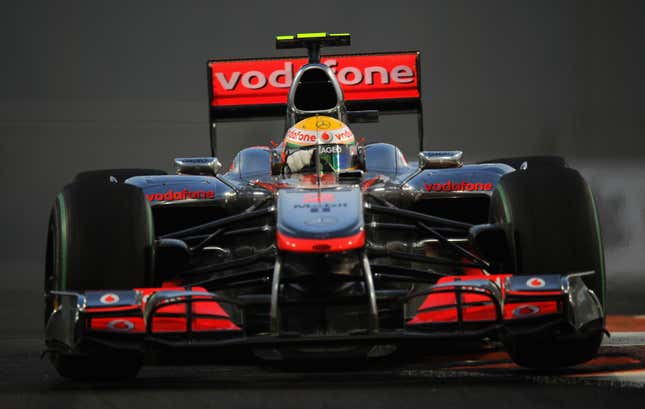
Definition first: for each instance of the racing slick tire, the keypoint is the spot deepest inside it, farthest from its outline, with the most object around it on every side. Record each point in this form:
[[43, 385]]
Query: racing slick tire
[[100, 236], [554, 229], [531, 161], [120, 175]]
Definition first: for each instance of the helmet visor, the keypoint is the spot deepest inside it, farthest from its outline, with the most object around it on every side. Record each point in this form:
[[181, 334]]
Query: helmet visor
[[333, 157], [336, 157]]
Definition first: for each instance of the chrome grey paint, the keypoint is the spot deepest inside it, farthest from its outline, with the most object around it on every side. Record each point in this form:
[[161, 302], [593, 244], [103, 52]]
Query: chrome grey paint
[[152, 186], [440, 159], [476, 173], [61, 328], [338, 214], [585, 305], [197, 166]]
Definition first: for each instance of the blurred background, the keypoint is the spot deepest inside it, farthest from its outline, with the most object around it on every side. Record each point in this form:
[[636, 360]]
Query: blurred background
[[93, 84]]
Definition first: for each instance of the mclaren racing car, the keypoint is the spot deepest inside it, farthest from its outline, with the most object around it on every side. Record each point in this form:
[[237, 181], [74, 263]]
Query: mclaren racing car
[[322, 247]]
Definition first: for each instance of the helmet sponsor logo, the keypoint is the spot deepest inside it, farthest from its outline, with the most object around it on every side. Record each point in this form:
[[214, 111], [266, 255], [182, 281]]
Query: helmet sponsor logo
[[121, 325], [109, 298], [535, 282], [319, 123], [305, 137], [323, 124], [330, 149], [301, 137], [185, 194], [526, 310], [344, 136]]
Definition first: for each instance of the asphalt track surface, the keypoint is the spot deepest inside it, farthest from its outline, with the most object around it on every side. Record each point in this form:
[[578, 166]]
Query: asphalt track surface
[[615, 379]]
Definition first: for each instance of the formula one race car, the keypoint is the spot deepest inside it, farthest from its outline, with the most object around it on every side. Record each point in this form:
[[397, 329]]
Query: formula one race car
[[322, 247]]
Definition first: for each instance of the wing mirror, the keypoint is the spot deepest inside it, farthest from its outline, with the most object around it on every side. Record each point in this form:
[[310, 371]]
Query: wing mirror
[[440, 159], [198, 166]]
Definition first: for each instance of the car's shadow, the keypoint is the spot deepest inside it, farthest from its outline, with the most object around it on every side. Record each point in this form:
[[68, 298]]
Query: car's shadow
[[490, 369]]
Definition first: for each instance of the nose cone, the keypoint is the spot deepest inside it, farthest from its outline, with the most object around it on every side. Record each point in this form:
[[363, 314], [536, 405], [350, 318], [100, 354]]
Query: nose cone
[[320, 214]]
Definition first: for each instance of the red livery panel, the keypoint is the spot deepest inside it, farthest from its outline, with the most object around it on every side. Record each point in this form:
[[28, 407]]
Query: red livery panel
[[440, 308], [207, 316], [294, 244]]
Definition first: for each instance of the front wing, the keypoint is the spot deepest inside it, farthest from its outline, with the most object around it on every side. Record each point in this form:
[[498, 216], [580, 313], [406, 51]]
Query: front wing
[[456, 309]]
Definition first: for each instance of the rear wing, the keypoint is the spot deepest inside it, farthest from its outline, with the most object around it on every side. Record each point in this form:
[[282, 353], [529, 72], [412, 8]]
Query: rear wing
[[246, 89]]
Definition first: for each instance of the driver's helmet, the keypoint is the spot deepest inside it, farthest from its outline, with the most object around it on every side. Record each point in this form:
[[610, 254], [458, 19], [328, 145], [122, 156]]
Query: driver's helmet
[[324, 136]]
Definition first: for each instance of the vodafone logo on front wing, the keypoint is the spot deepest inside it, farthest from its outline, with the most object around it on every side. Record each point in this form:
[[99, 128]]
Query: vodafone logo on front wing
[[257, 82]]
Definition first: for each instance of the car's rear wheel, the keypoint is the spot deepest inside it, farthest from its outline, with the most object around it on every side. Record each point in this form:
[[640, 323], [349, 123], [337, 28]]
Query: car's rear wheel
[[100, 236], [554, 229]]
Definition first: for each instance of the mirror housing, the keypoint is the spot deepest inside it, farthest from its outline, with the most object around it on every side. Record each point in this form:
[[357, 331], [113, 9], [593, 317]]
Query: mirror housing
[[440, 159], [208, 166]]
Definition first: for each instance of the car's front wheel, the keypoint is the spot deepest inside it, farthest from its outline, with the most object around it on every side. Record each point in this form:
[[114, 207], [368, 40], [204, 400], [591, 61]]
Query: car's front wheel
[[554, 229], [100, 237]]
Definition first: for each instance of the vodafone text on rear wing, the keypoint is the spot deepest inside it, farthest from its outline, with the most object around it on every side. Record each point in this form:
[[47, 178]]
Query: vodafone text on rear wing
[[256, 88]]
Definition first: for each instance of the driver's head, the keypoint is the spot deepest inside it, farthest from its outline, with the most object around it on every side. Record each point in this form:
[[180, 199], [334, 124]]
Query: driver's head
[[324, 136]]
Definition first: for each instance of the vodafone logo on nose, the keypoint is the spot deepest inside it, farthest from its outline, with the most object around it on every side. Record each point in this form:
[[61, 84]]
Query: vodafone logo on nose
[[267, 81]]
